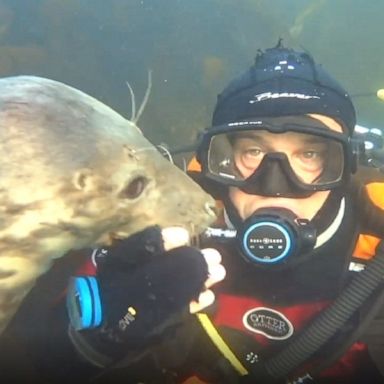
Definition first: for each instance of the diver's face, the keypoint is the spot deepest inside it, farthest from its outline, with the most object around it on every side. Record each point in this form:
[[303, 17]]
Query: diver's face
[[304, 155]]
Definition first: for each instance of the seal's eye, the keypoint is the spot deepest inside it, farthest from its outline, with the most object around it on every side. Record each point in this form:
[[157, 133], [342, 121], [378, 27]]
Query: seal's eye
[[135, 188]]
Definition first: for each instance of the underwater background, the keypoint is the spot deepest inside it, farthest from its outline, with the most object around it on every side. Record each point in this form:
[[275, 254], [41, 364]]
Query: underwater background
[[193, 47]]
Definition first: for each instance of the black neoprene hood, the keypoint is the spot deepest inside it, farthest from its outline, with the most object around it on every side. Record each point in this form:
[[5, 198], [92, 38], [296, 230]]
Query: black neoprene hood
[[284, 82]]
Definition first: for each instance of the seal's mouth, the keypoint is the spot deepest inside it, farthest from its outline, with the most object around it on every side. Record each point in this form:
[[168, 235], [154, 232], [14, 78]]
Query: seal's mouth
[[111, 238], [194, 226], [116, 237]]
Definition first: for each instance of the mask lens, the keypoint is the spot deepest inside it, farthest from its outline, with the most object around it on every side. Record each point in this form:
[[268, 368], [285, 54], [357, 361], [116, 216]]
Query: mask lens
[[315, 160]]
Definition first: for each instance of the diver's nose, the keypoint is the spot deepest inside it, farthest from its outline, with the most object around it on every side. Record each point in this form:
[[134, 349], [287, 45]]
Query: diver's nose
[[274, 181], [271, 179]]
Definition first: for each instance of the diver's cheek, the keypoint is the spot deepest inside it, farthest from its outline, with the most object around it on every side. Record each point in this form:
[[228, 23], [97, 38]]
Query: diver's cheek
[[309, 206], [244, 203]]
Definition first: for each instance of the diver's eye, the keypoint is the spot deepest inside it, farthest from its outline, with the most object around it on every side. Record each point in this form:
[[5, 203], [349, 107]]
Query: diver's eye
[[310, 155], [135, 188]]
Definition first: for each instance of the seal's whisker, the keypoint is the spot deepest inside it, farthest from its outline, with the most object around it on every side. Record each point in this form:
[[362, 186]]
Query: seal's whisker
[[166, 153], [143, 149], [160, 148], [133, 102], [145, 99], [136, 116]]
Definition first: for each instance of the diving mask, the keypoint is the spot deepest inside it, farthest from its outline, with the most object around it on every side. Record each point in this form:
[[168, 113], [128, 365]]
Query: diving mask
[[297, 153]]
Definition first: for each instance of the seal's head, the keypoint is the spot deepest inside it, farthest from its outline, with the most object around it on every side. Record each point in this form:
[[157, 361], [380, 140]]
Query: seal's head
[[76, 174]]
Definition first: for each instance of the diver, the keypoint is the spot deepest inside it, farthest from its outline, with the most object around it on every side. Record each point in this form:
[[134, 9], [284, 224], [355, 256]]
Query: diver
[[299, 235]]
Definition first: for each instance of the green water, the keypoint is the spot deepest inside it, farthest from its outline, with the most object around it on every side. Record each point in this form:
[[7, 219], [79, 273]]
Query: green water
[[193, 47]]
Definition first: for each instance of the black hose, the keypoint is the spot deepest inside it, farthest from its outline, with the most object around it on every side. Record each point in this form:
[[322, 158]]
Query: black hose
[[368, 317], [330, 321]]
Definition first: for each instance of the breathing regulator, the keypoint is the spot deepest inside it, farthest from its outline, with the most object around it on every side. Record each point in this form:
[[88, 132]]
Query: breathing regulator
[[270, 236]]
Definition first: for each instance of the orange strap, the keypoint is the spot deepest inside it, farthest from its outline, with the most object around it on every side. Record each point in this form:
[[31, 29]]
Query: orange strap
[[376, 193], [366, 244], [194, 165]]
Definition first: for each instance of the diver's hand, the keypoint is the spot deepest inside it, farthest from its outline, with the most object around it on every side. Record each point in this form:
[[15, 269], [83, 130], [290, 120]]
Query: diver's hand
[[149, 282], [216, 273], [174, 237]]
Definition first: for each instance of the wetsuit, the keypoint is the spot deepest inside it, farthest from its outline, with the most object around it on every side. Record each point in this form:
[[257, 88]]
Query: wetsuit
[[263, 311]]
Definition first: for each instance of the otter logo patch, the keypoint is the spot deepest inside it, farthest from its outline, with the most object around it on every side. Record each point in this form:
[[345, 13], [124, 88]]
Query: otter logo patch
[[268, 322]]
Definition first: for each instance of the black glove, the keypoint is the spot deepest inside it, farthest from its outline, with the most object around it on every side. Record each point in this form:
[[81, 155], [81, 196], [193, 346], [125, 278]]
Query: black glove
[[144, 290]]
